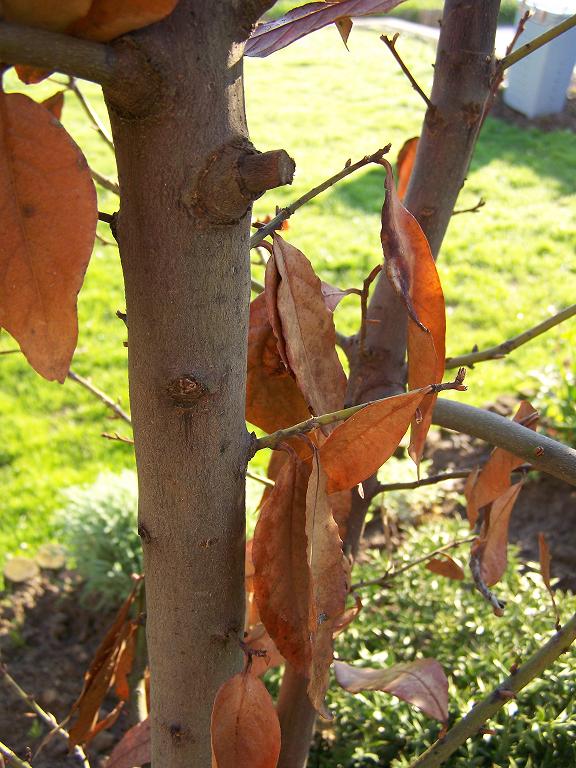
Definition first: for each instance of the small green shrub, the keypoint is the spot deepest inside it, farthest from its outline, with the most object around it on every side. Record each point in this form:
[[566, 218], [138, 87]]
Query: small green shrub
[[98, 526], [556, 394]]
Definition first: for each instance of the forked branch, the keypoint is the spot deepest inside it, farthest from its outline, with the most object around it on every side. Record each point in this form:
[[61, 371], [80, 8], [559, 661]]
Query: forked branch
[[102, 396], [390, 43], [488, 707], [501, 350]]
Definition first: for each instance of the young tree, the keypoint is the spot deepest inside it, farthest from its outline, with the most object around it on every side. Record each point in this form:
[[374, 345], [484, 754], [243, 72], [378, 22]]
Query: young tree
[[171, 73]]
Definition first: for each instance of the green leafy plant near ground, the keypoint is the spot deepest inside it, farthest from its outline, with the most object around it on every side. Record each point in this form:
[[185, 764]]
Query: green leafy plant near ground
[[98, 526], [424, 615]]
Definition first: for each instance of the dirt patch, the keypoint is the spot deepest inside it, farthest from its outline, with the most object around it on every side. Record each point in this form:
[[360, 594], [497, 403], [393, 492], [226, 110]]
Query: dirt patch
[[563, 121], [47, 639]]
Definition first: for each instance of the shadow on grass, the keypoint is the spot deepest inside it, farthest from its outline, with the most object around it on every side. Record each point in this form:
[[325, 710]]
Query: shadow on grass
[[550, 154]]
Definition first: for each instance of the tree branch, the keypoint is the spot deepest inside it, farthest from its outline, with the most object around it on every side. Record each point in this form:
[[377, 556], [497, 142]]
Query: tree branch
[[487, 708], [542, 452], [104, 181], [123, 70], [274, 439], [501, 350], [383, 580], [285, 213], [538, 42], [12, 757], [391, 45], [474, 209], [102, 396]]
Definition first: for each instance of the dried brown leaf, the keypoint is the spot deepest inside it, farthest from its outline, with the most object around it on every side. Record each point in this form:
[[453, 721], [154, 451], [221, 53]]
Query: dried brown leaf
[[492, 545], [273, 400], [245, 728], [421, 683], [48, 14], [55, 104], [49, 204], [329, 583], [412, 272], [494, 478], [405, 163], [259, 640], [344, 26], [108, 19], [281, 579], [133, 749], [307, 327], [446, 566], [544, 551], [299, 22], [364, 442]]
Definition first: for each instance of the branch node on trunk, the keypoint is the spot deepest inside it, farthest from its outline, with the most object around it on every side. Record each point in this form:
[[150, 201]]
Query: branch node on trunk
[[144, 534], [186, 390], [233, 177]]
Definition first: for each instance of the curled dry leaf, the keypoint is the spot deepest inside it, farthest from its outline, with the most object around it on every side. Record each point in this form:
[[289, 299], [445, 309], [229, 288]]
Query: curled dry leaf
[[304, 327], [360, 445], [328, 574], [259, 640], [333, 295], [446, 566], [491, 547], [405, 163], [486, 485], [421, 683], [347, 617], [299, 22], [412, 272], [133, 749], [101, 674], [281, 574], [344, 26], [544, 552], [273, 400], [49, 209], [245, 729]]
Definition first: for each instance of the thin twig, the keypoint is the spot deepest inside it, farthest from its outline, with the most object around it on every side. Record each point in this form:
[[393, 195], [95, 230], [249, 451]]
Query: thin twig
[[255, 286], [475, 208], [501, 350], [104, 241], [9, 351], [391, 45], [364, 295], [476, 571], [471, 724], [12, 757], [383, 580], [537, 42], [104, 181], [47, 717], [260, 479], [281, 435], [90, 111], [117, 437], [107, 218], [108, 402], [431, 480], [285, 213]]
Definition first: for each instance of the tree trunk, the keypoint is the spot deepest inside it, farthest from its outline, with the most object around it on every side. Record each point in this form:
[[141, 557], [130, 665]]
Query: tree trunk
[[462, 77], [183, 233]]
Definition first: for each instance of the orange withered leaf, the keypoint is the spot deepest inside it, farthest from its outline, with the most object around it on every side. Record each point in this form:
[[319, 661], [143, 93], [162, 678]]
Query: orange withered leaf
[[307, 327], [108, 19], [48, 201], [444, 565], [329, 583], [364, 442], [491, 548], [487, 484], [133, 749], [344, 26], [102, 673], [421, 683], [266, 654], [273, 400], [244, 728], [281, 573], [48, 14], [404, 164], [412, 272], [544, 551]]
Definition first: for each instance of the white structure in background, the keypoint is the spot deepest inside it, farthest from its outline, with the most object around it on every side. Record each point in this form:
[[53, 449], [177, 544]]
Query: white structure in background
[[537, 85]]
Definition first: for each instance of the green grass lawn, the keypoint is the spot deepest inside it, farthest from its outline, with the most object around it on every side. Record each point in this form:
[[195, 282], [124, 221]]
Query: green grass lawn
[[503, 269]]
